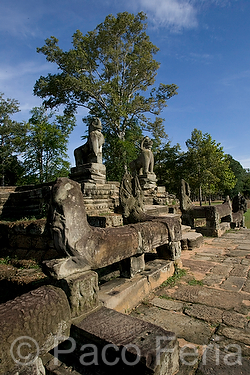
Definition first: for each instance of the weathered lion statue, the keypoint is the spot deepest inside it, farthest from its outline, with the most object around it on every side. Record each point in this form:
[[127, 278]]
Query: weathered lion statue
[[91, 151], [145, 162]]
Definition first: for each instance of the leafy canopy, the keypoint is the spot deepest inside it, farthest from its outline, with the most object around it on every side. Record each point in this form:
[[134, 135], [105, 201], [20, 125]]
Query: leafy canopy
[[45, 156], [108, 71], [206, 166], [11, 137]]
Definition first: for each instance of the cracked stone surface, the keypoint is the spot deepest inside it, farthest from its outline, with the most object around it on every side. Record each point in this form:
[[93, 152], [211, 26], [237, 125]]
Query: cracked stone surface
[[209, 307]]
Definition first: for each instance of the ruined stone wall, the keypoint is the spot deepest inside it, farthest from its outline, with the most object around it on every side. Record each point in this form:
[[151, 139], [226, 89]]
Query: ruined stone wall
[[27, 240]]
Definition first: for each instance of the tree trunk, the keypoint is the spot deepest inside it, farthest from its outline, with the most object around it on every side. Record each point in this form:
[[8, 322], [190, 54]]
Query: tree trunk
[[200, 195]]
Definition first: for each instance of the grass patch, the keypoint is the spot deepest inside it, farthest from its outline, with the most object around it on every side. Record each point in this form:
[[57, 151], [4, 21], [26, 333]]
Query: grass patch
[[195, 282], [247, 218], [171, 281], [5, 260], [20, 263], [163, 296]]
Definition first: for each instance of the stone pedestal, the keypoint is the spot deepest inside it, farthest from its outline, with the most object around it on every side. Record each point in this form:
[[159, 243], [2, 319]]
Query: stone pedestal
[[147, 181], [94, 173]]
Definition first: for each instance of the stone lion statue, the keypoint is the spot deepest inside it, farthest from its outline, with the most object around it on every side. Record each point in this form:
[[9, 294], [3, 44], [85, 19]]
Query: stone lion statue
[[144, 164], [91, 151]]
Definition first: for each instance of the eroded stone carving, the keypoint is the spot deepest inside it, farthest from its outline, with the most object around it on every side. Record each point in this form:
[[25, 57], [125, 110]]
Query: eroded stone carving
[[91, 151], [131, 199], [145, 162], [143, 166], [43, 315], [218, 218], [185, 200], [88, 157], [91, 248]]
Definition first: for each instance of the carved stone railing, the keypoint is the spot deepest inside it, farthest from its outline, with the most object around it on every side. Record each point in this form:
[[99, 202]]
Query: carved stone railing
[[46, 314], [86, 247]]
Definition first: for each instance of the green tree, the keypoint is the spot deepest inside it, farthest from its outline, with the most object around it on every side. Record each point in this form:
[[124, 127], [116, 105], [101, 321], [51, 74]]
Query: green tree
[[118, 153], [206, 167], [246, 186], [167, 166], [240, 175], [111, 72], [45, 157], [11, 137]]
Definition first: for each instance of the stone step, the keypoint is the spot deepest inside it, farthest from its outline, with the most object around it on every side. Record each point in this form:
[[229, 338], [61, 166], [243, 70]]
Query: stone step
[[123, 294]]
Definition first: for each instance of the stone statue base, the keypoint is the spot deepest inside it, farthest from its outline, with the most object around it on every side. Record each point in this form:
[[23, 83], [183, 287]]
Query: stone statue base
[[94, 173], [147, 181]]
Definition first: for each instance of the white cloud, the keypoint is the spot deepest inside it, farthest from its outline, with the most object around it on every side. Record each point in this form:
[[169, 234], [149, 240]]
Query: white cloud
[[27, 68], [175, 14]]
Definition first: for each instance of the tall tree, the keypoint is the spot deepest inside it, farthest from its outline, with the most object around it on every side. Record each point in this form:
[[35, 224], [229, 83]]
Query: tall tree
[[110, 71], [240, 175], [167, 166], [246, 186], [205, 165], [11, 135], [46, 156]]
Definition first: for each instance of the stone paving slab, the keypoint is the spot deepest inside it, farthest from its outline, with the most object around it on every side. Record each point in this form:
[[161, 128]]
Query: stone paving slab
[[242, 246], [237, 334], [246, 287], [233, 283], [191, 329], [209, 314], [197, 265], [238, 253], [212, 280], [240, 270], [168, 304], [206, 296], [217, 362], [222, 269], [232, 260]]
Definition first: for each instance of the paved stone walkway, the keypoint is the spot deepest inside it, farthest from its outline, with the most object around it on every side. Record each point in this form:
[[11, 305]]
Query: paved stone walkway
[[209, 307]]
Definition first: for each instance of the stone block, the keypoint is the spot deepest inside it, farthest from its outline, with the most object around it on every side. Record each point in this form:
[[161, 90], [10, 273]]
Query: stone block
[[124, 294], [171, 250], [91, 172], [167, 304], [131, 266], [209, 314], [158, 271], [152, 349], [82, 292]]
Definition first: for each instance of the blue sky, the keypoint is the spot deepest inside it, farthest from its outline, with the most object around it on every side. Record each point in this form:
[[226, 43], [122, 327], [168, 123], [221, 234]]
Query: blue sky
[[204, 49]]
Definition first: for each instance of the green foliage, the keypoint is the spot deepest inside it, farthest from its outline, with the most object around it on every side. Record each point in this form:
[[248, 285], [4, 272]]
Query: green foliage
[[171, 281], [11, 141], [111, 72], [205, 166], [240, 175], [247, 218], [195, 282], [46, 146], [167, 166], [165, 297], [5, 260], [246, 185], [119, 153]]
